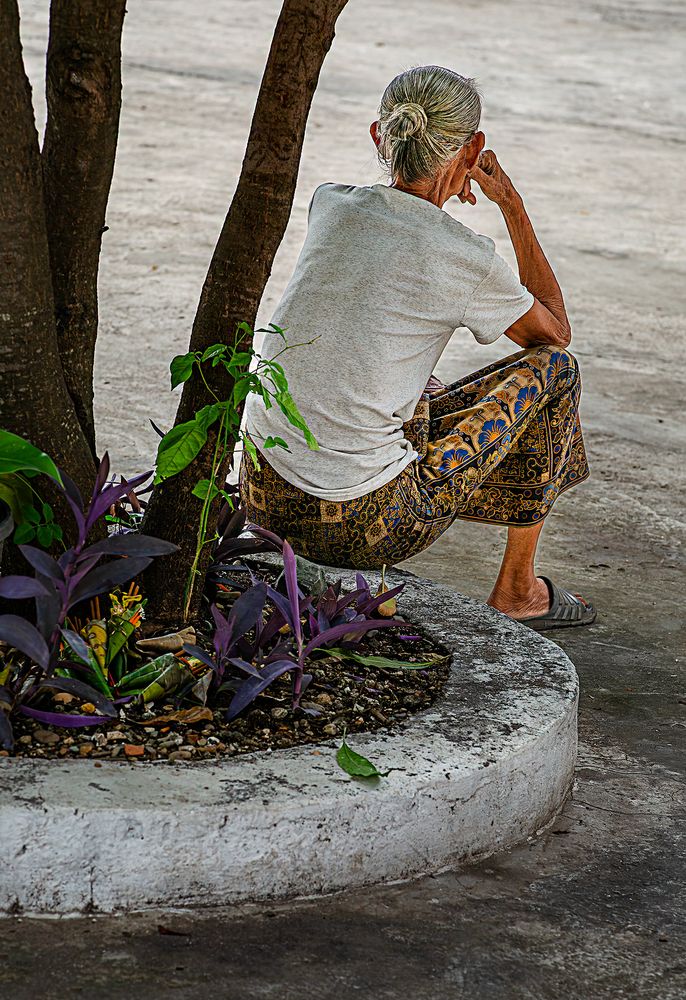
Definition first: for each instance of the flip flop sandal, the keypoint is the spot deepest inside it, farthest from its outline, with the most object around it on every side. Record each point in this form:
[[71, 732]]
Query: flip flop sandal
[[566, 611]]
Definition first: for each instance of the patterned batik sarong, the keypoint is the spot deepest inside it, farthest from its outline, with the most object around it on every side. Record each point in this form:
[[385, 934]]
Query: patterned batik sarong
[[499, 446]]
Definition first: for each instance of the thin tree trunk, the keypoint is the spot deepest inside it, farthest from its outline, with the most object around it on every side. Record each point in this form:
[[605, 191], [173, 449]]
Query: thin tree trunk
[[83, 89], [34, 401], [240, 268]]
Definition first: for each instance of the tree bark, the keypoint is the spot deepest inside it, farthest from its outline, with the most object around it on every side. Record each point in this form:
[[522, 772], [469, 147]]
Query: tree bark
[[240, 268], [34, 401], [83, 89]]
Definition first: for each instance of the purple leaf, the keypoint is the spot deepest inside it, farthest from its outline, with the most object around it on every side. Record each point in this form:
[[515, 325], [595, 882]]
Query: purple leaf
[[243, 665], [84, 567], [349, 598], [6, 734], [282, 604], [111, 495], [42, 562], [263, 533], [77, 643], [17, 587], [25, 637], [104, 578], [247, 610], [381, 599], [75, 500], [290, 572], [47, 608], [156, 429], [230, 523], [200, 654], [222, 634], [84, 691], [63, 719], [101, 477], [250, 689], [130, 544], [345, 629], [232, 547]]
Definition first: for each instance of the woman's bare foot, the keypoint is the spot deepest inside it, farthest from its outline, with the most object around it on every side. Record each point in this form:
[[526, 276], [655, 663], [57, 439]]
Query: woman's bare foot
[[534, 601]]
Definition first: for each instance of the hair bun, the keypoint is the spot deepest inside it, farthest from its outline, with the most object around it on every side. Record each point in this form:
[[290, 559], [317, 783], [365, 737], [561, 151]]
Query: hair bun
[[407, 121]]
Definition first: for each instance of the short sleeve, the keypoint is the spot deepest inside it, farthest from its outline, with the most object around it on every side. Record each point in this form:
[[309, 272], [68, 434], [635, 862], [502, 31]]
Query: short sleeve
[[314, 195], [497, 302]]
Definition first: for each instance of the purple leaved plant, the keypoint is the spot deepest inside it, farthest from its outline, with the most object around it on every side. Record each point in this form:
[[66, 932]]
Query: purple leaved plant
[[58, 585], [313, 623]]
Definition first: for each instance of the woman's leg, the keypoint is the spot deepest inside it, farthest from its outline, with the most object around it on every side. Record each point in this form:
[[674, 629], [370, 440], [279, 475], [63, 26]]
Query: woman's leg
[[504, 443], [518, 591]]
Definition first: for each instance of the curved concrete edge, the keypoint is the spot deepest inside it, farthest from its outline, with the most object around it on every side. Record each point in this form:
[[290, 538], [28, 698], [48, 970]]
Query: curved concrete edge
[[484, 768]]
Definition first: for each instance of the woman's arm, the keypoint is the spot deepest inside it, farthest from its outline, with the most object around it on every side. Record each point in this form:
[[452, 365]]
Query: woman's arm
[[546, 322]]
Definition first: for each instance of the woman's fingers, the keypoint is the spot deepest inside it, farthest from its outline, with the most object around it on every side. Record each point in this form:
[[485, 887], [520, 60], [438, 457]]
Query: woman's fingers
[[465, 195]]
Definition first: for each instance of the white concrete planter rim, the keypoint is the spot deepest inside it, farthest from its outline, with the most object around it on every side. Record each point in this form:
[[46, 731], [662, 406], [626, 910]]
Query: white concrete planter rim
[[486, 766]]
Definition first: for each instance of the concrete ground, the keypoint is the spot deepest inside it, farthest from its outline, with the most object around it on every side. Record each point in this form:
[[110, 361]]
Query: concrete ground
[[585, 107]]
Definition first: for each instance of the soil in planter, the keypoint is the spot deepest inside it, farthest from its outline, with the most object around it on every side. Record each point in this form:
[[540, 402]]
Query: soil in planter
[[345, 696]]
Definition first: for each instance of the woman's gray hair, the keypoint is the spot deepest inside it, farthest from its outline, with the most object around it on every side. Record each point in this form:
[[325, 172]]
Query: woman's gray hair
[[426, 115]]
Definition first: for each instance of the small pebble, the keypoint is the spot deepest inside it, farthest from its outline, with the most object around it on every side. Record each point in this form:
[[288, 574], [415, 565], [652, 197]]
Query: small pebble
[[86, 748], [134, 750], [88, 707], [25, 740], [46, 736], [179, 755], [63, 698]]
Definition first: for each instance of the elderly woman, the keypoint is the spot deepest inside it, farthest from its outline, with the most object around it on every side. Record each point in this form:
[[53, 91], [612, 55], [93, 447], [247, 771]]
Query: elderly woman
[[383, 280]]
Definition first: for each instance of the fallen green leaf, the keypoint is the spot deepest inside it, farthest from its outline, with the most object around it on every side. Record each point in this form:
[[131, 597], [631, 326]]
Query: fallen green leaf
[[384, 662], [355, 764]]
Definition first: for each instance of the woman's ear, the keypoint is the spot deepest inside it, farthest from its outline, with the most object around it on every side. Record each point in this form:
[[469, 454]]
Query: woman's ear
[[374, 132], [473, 149]]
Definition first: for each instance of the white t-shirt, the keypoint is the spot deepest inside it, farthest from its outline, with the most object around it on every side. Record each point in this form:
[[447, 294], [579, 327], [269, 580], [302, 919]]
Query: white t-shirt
[[383, 280]]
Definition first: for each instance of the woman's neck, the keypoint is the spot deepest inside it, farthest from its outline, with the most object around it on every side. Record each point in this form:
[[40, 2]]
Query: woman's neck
[[433, 193]]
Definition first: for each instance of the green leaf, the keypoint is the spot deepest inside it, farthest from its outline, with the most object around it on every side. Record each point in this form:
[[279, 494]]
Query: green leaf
[[31, 515], [207, 416], [251, 450], [202, 488], [24, 533], [18, 455], [17, 494], [383, 662], [287, 406], [44, 535], [57, 533], [181, 444], [215, 351], [240, 359], [275, 442], [48, 513], [355, 764], [181, 368], [240, 390]]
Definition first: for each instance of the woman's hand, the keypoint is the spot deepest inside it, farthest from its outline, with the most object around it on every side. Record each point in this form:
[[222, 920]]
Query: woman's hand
[[492, 179]]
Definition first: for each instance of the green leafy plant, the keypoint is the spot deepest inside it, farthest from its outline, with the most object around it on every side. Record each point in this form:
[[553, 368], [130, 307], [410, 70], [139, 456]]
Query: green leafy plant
[[249, 372], [25, 511]]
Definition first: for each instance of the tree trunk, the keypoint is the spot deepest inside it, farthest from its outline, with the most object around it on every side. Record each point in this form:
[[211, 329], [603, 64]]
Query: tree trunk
[[83, 89], [34, 401], [240, 268]]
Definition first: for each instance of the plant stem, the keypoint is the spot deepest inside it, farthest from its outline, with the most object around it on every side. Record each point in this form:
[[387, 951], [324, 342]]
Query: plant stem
[[217, 458]]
